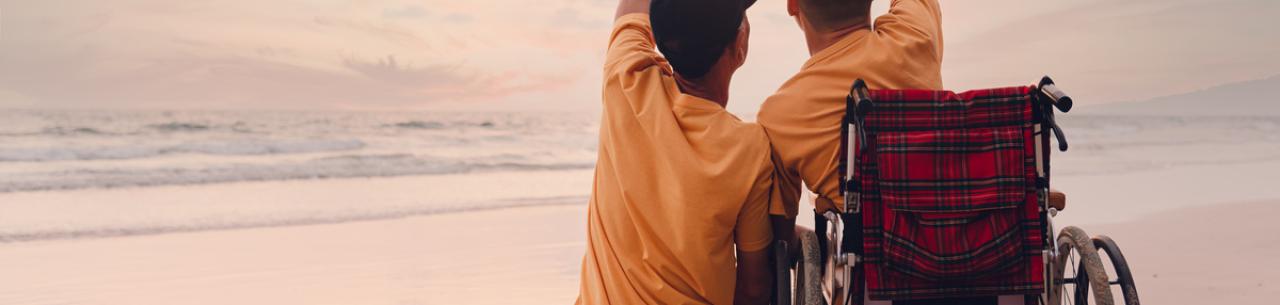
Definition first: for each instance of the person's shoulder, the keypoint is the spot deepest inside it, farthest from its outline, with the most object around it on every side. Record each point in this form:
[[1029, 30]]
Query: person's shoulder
[[789, 92], [750, 136], [728, 124], [790, 101]]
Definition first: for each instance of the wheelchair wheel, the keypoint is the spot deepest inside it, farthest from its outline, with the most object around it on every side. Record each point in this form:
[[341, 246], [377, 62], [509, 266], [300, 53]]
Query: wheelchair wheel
[[1078, 269], [1124, 278], [799, 275], [809, 271]]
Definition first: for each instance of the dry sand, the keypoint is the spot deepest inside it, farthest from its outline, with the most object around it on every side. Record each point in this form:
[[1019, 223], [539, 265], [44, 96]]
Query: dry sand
[[521, 256], [1224, 254], [1221, 254]]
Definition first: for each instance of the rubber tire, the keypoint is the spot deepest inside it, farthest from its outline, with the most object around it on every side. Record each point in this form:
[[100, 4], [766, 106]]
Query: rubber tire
[[1123, 276], [809, 271], [1075, 239]]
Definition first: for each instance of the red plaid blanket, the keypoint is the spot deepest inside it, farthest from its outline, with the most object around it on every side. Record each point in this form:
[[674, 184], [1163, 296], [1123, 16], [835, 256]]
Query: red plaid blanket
[[948, 194]]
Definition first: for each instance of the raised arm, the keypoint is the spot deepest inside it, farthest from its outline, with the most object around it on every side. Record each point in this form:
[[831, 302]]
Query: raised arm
[[631, 7], [913, 21], [631, 46]]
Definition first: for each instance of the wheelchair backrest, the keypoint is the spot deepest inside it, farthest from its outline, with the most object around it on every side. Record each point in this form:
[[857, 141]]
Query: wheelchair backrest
[[950, 188]]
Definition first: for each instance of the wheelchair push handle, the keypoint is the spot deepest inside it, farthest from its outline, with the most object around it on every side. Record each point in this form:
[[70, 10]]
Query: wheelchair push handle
[[860, 97], [1056, 97]]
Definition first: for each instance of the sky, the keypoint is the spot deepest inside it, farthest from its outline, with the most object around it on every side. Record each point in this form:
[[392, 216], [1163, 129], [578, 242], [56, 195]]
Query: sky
[[511, 55]]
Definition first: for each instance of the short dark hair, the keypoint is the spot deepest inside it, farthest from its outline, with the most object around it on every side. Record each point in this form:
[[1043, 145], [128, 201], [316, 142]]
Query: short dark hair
[[693, 34], [835, 13]]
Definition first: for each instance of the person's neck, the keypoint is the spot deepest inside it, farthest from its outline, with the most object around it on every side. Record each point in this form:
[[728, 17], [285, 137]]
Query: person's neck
[[823, 39], [716, 92]]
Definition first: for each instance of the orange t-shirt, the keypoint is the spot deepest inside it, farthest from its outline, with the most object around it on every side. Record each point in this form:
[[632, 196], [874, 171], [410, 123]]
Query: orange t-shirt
[[903, 50], [679, 182]]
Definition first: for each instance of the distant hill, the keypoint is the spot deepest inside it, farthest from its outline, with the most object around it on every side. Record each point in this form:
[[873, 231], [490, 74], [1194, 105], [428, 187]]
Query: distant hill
[[1259, 97]]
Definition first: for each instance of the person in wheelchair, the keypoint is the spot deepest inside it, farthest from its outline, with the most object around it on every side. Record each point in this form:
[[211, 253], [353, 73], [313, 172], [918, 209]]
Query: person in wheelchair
[[924, 196], [678, 211], [803, 120]]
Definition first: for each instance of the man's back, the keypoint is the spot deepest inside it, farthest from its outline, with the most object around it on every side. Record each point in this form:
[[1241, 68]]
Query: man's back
[[903, 50], [679, 182]]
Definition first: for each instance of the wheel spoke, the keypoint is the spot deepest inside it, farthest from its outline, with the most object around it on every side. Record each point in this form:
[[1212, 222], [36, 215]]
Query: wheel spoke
[[1071, 266]]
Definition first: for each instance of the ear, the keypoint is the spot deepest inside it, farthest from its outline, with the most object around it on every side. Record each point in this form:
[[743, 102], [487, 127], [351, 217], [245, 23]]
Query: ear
[[744, 38], [793, 7]]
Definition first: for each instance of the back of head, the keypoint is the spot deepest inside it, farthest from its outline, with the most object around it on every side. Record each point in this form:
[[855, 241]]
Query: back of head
[[693, 34], [835, 14]]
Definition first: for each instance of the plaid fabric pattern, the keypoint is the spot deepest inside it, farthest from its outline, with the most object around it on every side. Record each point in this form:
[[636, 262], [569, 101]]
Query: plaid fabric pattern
[[949, 196]]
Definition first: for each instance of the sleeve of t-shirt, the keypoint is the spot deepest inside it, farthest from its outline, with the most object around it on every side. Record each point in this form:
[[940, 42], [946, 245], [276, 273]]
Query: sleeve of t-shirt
[[917, 22], [631, 46], [784, 197], [753, 231]]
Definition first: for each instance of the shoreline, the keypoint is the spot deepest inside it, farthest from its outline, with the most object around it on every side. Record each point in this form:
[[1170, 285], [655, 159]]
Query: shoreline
[[105, 213]]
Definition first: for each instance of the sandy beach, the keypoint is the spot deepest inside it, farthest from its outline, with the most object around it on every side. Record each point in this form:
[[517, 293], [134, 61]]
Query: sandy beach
[[1205, 255], [493, 257], [1223, 254]]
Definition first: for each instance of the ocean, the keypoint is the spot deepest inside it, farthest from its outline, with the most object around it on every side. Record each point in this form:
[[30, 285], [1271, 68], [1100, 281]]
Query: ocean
[[89, 174], [68, 150]]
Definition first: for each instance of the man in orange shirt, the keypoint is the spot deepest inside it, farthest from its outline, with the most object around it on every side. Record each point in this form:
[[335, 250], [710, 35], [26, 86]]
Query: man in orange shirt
[[902, 51], [679, 207]]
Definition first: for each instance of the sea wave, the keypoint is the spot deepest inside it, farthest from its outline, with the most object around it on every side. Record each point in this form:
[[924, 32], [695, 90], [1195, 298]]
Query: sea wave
[[417, 125], [179, 126], [341, 166], [57, 150], [430, 125], [73, 130], [207, 147], [59, 131]]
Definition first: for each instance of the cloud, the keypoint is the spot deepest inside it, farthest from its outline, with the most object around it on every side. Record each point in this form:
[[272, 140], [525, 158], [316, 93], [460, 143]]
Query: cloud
[[406, 12], [283, 54], [418, 54], [389, 32], [574, 18], [418, 13], [247, 82], [458, 18], [391, 71]]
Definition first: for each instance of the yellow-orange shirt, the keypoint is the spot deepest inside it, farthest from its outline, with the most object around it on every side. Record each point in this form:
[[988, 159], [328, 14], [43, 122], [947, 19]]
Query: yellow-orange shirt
[[679, 183], [902, 51]]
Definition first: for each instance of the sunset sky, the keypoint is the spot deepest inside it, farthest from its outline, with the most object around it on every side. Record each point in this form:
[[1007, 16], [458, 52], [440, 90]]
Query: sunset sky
[[545, 55]]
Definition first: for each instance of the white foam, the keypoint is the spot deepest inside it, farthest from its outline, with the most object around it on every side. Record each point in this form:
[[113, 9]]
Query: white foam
[[328, 167], [93, 213], [213, 147]]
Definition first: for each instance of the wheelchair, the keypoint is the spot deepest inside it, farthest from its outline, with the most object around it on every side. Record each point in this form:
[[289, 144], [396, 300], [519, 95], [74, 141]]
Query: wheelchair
[[947, 201]]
